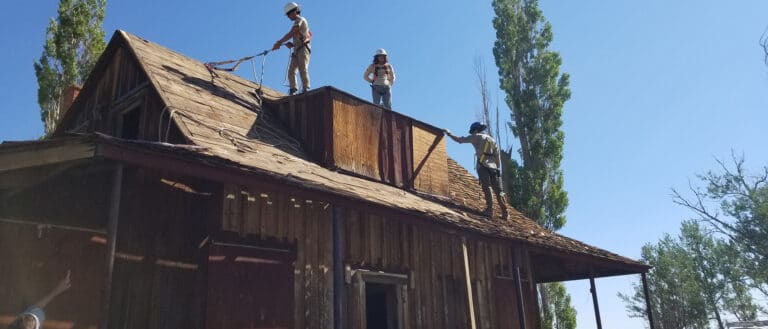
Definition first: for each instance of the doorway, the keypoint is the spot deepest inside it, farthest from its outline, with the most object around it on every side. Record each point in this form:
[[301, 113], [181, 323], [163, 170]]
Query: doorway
[[381, 306]]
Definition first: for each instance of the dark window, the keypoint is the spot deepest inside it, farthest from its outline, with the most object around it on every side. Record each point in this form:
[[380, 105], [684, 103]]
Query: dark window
[[129, 128]]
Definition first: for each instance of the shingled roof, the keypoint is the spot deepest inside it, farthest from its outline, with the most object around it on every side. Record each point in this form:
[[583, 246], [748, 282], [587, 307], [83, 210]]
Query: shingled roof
[[231, 126]]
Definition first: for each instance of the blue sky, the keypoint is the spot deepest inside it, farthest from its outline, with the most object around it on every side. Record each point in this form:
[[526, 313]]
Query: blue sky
[[659, 88]]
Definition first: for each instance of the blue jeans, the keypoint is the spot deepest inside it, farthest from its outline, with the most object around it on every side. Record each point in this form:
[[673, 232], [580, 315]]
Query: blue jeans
[[382, 92]]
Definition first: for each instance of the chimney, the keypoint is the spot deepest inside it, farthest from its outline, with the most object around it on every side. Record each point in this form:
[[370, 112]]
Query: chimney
[[68, 97]]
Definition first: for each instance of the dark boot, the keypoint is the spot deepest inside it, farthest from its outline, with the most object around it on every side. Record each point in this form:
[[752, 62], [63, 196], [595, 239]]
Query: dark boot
[[292, 91], [488, 202]]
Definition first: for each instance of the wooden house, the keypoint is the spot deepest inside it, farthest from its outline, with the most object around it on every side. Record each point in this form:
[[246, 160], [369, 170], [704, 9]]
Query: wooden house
[[182, 198]]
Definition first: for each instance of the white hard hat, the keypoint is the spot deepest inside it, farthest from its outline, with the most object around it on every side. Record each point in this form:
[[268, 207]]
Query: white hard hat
[[291, 6], [380, 51]]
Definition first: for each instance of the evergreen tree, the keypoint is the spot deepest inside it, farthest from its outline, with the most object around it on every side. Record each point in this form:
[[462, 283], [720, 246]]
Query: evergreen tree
[[73, 43], [529, 74]]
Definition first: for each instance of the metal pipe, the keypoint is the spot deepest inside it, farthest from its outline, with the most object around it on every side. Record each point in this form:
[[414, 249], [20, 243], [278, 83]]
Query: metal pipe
[[593, 290], [338, 269], [112, 221], [647, 300], [519, 284]]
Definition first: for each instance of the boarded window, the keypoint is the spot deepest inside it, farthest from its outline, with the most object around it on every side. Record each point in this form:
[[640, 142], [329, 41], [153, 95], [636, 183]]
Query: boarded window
[[249, 287]]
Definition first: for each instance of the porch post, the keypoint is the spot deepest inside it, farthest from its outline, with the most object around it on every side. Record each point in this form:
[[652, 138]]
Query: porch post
[[647, 300], [594, 301], [519, 284], [112, 221], [338, 269], [473, 324]]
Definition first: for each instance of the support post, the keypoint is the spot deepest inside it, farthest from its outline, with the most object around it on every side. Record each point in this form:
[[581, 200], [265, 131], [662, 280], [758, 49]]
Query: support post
[[112, 221], [593, 290], [647, 300], [469, 284], [519, 285], [338, 269]]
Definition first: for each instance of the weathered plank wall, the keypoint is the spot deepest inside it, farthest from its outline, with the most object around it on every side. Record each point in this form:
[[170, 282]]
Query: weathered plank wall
[[159, 278], [356, 134], [429, 255], [430, 160], [344, 132], [120, 81], [306, 224], [308, 119], [35, 258], [49, 193]]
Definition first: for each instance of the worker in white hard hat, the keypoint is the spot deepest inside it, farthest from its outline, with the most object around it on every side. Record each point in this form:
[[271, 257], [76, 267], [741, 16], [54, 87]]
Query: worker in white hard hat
[[381, 76], [300, 46]]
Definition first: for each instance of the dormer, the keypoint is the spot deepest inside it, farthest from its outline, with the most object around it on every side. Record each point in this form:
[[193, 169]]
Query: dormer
[[347, 134]]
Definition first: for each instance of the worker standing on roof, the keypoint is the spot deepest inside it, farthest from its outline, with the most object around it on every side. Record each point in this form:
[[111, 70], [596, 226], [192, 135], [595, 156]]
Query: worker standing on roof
[[488, 165], [300, 45], [382, 80]]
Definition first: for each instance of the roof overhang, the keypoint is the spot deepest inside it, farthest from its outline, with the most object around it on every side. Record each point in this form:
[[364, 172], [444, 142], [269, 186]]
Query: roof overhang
[[19, 160]]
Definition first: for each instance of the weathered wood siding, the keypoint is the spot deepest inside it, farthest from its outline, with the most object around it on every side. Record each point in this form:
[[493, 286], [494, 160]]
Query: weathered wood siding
[[118, 87], [159, 277], [275, 217], [430, 256], [308, 119], [356, 134], [340, 131], [35, 258], [430, 161]]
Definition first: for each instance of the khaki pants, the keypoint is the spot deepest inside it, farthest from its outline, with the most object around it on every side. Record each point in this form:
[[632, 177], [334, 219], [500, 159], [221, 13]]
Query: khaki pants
[[299, 62]]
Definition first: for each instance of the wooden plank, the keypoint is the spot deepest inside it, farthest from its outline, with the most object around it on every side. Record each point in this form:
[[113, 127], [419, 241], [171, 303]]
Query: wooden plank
[[298, 271], [326, 259], [429, 154], [356, 137], [470, 302], [32, 157]]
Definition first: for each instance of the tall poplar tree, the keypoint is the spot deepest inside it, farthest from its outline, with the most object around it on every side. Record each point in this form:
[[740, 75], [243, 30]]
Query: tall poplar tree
[[73, 43], [529, 74]]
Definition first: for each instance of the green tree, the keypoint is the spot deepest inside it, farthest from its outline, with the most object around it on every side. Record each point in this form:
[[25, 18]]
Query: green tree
[[73, 43], [675, 295], [529, 74], [735, 203], [693, 282]]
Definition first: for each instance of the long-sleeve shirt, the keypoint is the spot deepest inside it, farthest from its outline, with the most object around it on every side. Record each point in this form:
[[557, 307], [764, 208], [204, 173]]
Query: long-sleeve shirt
[[485, 149]]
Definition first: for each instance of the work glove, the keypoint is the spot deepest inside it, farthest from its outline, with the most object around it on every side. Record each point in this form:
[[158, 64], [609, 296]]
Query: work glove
[[276, 46]]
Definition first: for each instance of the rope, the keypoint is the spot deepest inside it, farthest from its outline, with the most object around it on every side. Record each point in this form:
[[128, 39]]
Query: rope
[[215, 65]]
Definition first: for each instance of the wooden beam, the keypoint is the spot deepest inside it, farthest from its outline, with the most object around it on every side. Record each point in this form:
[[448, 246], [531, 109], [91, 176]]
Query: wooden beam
[[516, 260], [338, 270], [593, 290], [114, 213], [40, 156], [469, 284], [648, 308]]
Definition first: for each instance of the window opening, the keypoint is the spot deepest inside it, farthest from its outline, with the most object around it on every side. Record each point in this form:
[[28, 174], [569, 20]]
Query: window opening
[[129, 128]]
